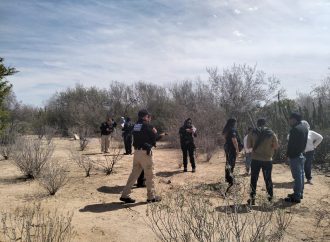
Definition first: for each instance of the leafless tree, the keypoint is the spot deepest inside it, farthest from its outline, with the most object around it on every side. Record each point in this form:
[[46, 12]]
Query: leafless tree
[[108, 161], [30, 155], [53, 177], [36, 224], [83, 161]]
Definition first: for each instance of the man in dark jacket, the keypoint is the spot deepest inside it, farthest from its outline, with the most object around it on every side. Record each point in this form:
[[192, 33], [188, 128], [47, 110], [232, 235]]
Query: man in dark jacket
[[127, 135], [145, 137], [187, 133], [296, 147], [106, 130]]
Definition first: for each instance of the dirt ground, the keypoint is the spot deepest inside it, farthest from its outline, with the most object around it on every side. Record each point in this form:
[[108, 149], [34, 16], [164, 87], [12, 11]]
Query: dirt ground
[[99, 216]]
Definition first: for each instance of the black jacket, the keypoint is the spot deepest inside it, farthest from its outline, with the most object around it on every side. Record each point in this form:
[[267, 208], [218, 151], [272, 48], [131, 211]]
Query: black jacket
[[143, 134], [297, 141], [106, 128], [186, 138], [127, 129]]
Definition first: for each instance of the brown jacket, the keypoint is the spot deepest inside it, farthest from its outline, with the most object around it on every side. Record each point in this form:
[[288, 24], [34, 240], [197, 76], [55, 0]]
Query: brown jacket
[[265, 150]]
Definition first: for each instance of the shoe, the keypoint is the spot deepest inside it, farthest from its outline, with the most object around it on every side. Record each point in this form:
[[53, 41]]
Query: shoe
[[309, 182], [154, 200], [270, 199], [185, 170], [292, 200], [193, 170], [127, 200], [251, 201], [292, 195]]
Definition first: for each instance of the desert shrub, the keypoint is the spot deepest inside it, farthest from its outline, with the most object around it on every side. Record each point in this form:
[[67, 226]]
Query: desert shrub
[[35, 224], [190, 215], [108, 161], [53, 177], [83, 161], [30, 155]]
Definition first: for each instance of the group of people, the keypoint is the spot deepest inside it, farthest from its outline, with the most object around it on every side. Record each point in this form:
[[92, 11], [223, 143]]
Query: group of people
[[259, 146]]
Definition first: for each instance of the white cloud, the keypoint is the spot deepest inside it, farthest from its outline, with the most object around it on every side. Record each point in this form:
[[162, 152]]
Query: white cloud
[[236, 11], [95, 43]]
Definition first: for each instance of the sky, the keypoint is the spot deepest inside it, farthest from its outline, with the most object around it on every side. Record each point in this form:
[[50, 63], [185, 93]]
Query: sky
[[56, 44]]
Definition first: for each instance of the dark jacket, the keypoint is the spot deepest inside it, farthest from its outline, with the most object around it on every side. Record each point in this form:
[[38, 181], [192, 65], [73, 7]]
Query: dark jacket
[[297, 141], [128, 129], [186, 138], [106, 128], [143, 134]]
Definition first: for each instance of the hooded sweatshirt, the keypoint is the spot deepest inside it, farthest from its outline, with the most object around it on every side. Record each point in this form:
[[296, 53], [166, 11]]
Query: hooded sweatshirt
[[263, 142]]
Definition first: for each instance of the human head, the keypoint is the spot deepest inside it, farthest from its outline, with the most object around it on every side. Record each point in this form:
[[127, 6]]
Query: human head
[[261, 122], [109, 120], [294, 119], [188, 122], [143, 114], [229, 125], [306, 124], [250, 129]]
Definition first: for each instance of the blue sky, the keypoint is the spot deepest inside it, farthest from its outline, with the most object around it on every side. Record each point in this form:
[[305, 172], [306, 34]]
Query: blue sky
[[56, 44]]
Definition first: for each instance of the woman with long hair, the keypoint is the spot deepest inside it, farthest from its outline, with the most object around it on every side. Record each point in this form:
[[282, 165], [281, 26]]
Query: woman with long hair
[[231, 148]]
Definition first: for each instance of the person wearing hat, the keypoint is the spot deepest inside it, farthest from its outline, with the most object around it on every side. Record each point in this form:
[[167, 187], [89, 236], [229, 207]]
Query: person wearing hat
[[145, 137], [263, 142], [295, 153]]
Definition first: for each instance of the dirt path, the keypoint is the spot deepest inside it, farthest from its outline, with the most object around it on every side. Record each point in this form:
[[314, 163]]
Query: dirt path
[[99, 216]]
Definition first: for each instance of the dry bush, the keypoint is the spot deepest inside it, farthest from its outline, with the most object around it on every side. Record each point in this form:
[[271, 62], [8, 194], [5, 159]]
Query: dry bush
[[192, 215], [83, 161], [53, 177], [35, 224], [322, 219], [108, 161], [30, 155], [49, 133]]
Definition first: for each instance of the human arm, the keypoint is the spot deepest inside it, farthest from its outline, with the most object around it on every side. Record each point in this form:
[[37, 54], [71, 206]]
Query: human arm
[[317, 138]]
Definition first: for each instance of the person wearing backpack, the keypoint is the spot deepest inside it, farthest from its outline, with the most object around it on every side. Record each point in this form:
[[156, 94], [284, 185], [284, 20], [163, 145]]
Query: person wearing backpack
[[232, 148], [263, 143]]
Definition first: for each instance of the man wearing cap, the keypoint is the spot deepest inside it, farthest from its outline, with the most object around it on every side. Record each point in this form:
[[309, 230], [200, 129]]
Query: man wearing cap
[[296, 147], [145, 137], [263, 143]]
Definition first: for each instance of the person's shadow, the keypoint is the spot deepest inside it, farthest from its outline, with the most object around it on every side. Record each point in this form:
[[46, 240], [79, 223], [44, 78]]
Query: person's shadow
[[167, 173], [113, 190], [108, 207]]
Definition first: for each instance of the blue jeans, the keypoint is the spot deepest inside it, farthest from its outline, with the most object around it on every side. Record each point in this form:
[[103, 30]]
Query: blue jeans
[[297, 171], [308, 164], [248, 160]]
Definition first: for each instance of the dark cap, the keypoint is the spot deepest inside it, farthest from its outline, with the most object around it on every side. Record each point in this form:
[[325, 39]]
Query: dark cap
[[142, 113], [261, 122], [296, 116]]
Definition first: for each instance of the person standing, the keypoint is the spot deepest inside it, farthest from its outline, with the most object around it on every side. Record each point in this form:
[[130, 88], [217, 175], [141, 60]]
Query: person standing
[[127, 135], [248, 151], [145, 137], [231, 148], [296, 147], [106, 130], [187, 133], [313, 141], [263, 142]]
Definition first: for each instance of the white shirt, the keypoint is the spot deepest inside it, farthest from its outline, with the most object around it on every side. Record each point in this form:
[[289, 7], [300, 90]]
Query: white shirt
[[314, 139], [246, 149]]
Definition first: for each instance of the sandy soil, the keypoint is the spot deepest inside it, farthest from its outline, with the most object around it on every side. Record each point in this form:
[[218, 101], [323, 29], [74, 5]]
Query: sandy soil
[[99, 216]]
